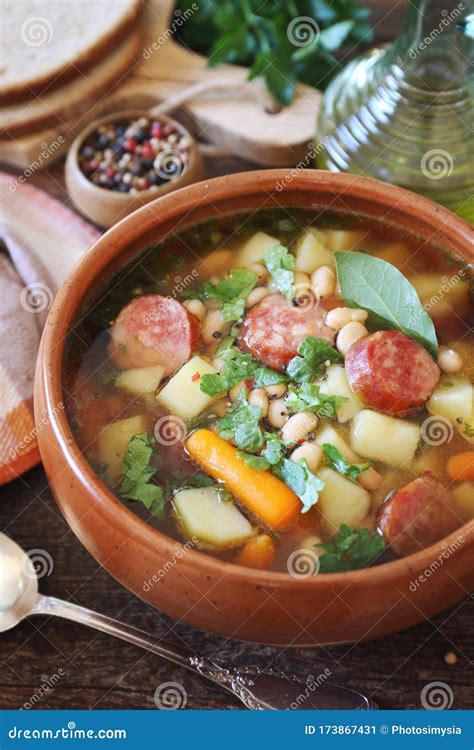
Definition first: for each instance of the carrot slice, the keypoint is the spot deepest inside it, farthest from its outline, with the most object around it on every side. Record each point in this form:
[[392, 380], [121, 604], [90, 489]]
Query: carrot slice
[[263, 494], [461, 467], [258, 552]]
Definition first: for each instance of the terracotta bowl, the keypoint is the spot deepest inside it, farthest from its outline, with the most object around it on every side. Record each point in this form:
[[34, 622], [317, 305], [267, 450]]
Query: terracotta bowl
[[232, 601]]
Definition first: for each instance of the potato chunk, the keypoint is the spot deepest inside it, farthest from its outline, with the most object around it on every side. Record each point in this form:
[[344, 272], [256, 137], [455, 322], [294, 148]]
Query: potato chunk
[[203, 515], [344, 239], [311, 252], [182, 394], [341, 501], [464, 498], [336, 384], [256, 248], [441, 294], [140, 381], [454, 399], [113, 441], [327, 434], [386, 439]]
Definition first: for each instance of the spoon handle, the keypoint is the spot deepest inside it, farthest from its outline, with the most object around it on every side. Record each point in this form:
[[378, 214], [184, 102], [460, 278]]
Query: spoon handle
[[49, 605]]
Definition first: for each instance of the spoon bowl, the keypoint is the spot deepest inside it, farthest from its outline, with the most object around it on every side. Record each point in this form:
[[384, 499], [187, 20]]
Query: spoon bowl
[[18, 584]]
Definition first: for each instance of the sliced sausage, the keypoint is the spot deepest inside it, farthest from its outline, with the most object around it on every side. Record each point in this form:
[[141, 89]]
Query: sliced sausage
[[417, 515], [154, 330], [273, 329], [391, 373]]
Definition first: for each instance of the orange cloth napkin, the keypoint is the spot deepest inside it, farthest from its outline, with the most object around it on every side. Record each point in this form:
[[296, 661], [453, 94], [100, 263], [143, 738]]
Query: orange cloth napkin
[[40, 242]]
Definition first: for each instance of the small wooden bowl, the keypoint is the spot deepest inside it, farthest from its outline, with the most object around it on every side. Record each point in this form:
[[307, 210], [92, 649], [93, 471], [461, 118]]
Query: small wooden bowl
[[106, 207]]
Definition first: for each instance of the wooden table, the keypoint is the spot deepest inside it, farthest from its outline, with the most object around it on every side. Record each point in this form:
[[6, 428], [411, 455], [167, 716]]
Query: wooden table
[[89, 670]]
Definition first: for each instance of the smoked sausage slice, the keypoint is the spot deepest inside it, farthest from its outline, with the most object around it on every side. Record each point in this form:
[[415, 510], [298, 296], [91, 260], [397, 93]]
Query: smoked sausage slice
[[391, 373], [417, 515], [273, 329], [154, 330]]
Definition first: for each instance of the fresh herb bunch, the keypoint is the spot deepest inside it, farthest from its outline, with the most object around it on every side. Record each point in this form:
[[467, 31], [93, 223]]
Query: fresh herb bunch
[[284, 41]]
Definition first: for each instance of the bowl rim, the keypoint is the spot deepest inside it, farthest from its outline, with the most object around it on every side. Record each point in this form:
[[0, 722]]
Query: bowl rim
[[151, 193], [178, 204]]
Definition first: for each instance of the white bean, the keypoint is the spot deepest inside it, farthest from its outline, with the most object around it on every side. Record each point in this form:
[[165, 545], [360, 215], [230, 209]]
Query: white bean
[[310, 542], [370, 479], [312, 453], [278, 413], [323, 281], [301, 278], [348, 335], [256, 295], [218, 363], [212, 326], [339, 316], [278, 390], [196, 308], [259, 398], [261, 271], [298, 426], [449, 360], [234, 392]]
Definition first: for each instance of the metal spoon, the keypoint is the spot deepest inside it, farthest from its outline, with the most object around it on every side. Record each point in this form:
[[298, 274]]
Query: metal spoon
[[257, 689]]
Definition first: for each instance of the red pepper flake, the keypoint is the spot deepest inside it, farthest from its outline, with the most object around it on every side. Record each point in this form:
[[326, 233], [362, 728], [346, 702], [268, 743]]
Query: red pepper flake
[[248, 383], [195, 377]]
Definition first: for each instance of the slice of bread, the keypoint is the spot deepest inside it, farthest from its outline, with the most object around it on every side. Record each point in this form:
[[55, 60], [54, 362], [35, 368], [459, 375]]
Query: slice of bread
[[69, 100], [50, 42]]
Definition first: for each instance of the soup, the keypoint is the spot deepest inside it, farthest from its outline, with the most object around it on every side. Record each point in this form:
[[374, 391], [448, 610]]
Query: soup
[[283, 390]]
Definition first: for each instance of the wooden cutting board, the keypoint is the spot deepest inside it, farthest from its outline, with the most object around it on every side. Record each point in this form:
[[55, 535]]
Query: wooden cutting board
[[236, 116]]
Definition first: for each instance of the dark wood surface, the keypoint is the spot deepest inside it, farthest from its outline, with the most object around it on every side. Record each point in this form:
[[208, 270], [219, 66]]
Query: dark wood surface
[[91, 670]]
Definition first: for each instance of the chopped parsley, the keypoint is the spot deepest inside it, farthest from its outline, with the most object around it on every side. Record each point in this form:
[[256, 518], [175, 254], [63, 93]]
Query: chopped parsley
[[231, 292], [237, 367], [314, 353], [242, 426], [280, 264], [259, 463], [138, 471], [351, 549], [334, 458], [309, 398], [298, 477]]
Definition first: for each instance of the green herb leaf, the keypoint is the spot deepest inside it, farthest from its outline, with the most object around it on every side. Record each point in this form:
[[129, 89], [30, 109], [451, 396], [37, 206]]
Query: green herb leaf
[[274, 448], [309, 398], [138, 473], [314, 353], [236, 368], [299, 478], [264, 376], [351, 549], [241, 425], [255, 462], [335, 459], [391, 301], [332, 37], [280, 264], [231, 292]]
